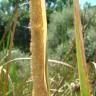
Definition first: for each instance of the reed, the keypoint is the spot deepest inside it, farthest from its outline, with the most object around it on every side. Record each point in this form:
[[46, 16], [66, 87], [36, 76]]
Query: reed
[[81, 60]]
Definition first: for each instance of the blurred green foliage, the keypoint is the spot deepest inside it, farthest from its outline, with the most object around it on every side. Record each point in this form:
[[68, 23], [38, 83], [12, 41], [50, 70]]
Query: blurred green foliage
[[60, 25], [19, 74], [60, 40]]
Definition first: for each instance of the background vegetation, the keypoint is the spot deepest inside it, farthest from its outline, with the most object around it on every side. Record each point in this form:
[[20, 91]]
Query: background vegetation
[[60, 46]]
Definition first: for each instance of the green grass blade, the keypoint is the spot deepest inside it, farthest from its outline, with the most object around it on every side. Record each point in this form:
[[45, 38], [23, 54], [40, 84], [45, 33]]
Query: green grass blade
[[81, 60], [8, 40]]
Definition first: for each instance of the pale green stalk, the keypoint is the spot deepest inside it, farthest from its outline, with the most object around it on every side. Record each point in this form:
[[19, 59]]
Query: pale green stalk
[[81, 60]]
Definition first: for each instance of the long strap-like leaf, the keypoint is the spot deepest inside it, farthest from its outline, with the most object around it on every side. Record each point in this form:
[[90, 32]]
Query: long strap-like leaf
[[10, 47], [81, 60]]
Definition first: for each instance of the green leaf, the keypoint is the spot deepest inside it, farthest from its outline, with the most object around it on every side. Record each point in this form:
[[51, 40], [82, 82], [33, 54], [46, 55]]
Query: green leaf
[[81, 60]]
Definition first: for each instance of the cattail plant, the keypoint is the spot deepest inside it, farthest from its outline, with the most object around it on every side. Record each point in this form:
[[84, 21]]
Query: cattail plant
[[12, 30], [81, 60], [38, 47]]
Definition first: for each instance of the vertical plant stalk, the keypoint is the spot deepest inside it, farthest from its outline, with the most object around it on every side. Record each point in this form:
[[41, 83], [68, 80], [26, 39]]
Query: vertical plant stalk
[[95, 55], [10, 48], [2, 39], [38, 47], [81, 60], [0, 81]]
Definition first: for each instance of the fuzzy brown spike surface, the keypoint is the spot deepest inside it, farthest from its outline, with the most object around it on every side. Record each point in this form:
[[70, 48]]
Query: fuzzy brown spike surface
[[38, 46]]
